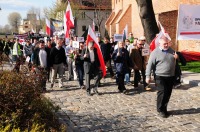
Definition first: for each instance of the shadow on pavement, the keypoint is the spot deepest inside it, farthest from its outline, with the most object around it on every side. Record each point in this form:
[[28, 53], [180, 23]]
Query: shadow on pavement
[[184, 87], [186, 111]]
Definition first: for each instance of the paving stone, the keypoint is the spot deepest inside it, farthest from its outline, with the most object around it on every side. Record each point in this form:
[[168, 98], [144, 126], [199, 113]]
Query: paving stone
[[119, 112]]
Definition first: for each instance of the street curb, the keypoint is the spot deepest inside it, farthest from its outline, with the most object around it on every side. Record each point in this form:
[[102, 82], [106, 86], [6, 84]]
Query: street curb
[[191, 82]]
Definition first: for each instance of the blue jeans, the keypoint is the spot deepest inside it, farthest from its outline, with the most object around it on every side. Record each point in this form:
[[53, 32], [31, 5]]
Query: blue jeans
[[80, 72], [127, 78]]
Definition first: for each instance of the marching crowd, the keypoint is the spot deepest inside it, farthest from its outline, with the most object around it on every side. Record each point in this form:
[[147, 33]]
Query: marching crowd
[[54, 56]]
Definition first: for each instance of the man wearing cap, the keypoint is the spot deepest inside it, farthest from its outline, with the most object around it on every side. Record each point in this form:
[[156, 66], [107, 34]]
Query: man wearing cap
[[41, 58], [139, 62], [162, 61], [58, 60], [91, 67]]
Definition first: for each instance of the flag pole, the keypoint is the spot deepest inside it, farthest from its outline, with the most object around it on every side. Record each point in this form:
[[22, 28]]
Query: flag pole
[[177, 30]]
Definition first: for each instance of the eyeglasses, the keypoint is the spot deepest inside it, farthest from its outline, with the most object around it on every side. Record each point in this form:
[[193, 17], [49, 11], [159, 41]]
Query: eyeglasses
[[141, 44]]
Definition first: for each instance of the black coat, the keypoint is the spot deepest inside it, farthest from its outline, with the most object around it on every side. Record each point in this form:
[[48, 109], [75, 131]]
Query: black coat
[[122, 62], [87, 62], [106, 51]]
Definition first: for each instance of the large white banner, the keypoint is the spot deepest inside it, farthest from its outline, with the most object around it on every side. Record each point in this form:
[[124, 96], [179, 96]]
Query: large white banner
[[188, 22]]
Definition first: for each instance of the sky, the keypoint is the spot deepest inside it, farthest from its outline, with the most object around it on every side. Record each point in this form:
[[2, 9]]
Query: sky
[[22, 7]]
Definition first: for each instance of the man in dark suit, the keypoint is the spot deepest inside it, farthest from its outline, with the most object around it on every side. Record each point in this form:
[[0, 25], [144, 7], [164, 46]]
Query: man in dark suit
[[91, 67]]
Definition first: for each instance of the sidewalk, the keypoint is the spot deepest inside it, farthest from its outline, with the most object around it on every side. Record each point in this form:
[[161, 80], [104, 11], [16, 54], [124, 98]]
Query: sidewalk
[[191, 78]]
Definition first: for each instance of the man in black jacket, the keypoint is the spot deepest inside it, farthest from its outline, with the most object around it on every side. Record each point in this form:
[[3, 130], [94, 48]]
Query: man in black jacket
[[91, 67], [106, 52], [41, 58], [58, 60]]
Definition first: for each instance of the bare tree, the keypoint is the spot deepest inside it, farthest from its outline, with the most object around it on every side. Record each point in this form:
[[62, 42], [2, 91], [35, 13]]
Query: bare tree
[[7, 29], [148, 20], [14, 20]]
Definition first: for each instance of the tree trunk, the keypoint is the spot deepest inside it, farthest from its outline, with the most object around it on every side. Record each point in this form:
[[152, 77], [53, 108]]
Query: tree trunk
[[148, 20]]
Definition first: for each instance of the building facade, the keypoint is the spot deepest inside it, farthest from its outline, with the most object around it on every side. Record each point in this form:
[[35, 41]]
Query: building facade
[[126, 12], [30, 24], [87, 11]]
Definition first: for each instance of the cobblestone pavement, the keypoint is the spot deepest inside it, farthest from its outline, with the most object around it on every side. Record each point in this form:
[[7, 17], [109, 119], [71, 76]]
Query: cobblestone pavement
[[113, 111]]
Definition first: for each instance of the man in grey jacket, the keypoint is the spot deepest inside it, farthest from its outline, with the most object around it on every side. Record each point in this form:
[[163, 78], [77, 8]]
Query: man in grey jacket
[[162, 61]]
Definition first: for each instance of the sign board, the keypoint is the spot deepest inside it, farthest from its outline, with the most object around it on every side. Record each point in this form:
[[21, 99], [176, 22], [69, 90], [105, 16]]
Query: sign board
[[188, 22], [80, 39], [118, 37], [98, 34], [67, 41], [145, 52], [75, 44], [28, 59]]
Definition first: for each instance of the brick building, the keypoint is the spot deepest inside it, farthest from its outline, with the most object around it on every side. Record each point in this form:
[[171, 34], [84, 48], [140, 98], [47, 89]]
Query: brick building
[[166, 11]]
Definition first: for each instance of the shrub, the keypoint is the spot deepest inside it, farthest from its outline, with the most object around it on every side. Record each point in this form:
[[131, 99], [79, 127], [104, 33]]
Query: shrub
[[22, 105]]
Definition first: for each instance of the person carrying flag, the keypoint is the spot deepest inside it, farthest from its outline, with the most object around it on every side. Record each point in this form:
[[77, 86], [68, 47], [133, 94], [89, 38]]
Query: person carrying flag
[[91, 67]]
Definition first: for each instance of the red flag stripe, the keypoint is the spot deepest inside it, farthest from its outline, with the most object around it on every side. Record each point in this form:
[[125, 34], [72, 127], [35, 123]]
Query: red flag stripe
[[91, 37], [189, 33]]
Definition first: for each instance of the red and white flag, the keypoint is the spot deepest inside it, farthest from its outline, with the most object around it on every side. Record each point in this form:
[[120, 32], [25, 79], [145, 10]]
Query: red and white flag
[[93, 25], [91, 37], [48, 27], [68, 21], [155, 41]]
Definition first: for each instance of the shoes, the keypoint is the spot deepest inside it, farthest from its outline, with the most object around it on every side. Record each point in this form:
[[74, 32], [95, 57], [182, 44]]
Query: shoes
[[51, 85], [113, 77], [129, 84], [82, 87], [61, 86], [164, 114], [89, 94], [125, 92], [177, 85], [96, 92], [147, 89]]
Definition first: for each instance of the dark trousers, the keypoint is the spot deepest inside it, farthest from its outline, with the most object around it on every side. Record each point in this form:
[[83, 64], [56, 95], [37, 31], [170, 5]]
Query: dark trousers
[[120, 77], [164, 86], [93, 74], [137, 78], [109, 67], [80, 73]]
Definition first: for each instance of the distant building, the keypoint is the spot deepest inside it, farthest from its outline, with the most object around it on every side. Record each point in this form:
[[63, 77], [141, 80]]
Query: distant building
[[30, 24], [85, 11], [166, 11]]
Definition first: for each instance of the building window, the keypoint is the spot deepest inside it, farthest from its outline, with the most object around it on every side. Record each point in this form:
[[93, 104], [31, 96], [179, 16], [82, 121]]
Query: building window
[[84, 28], [96, 28], [83, 14]]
